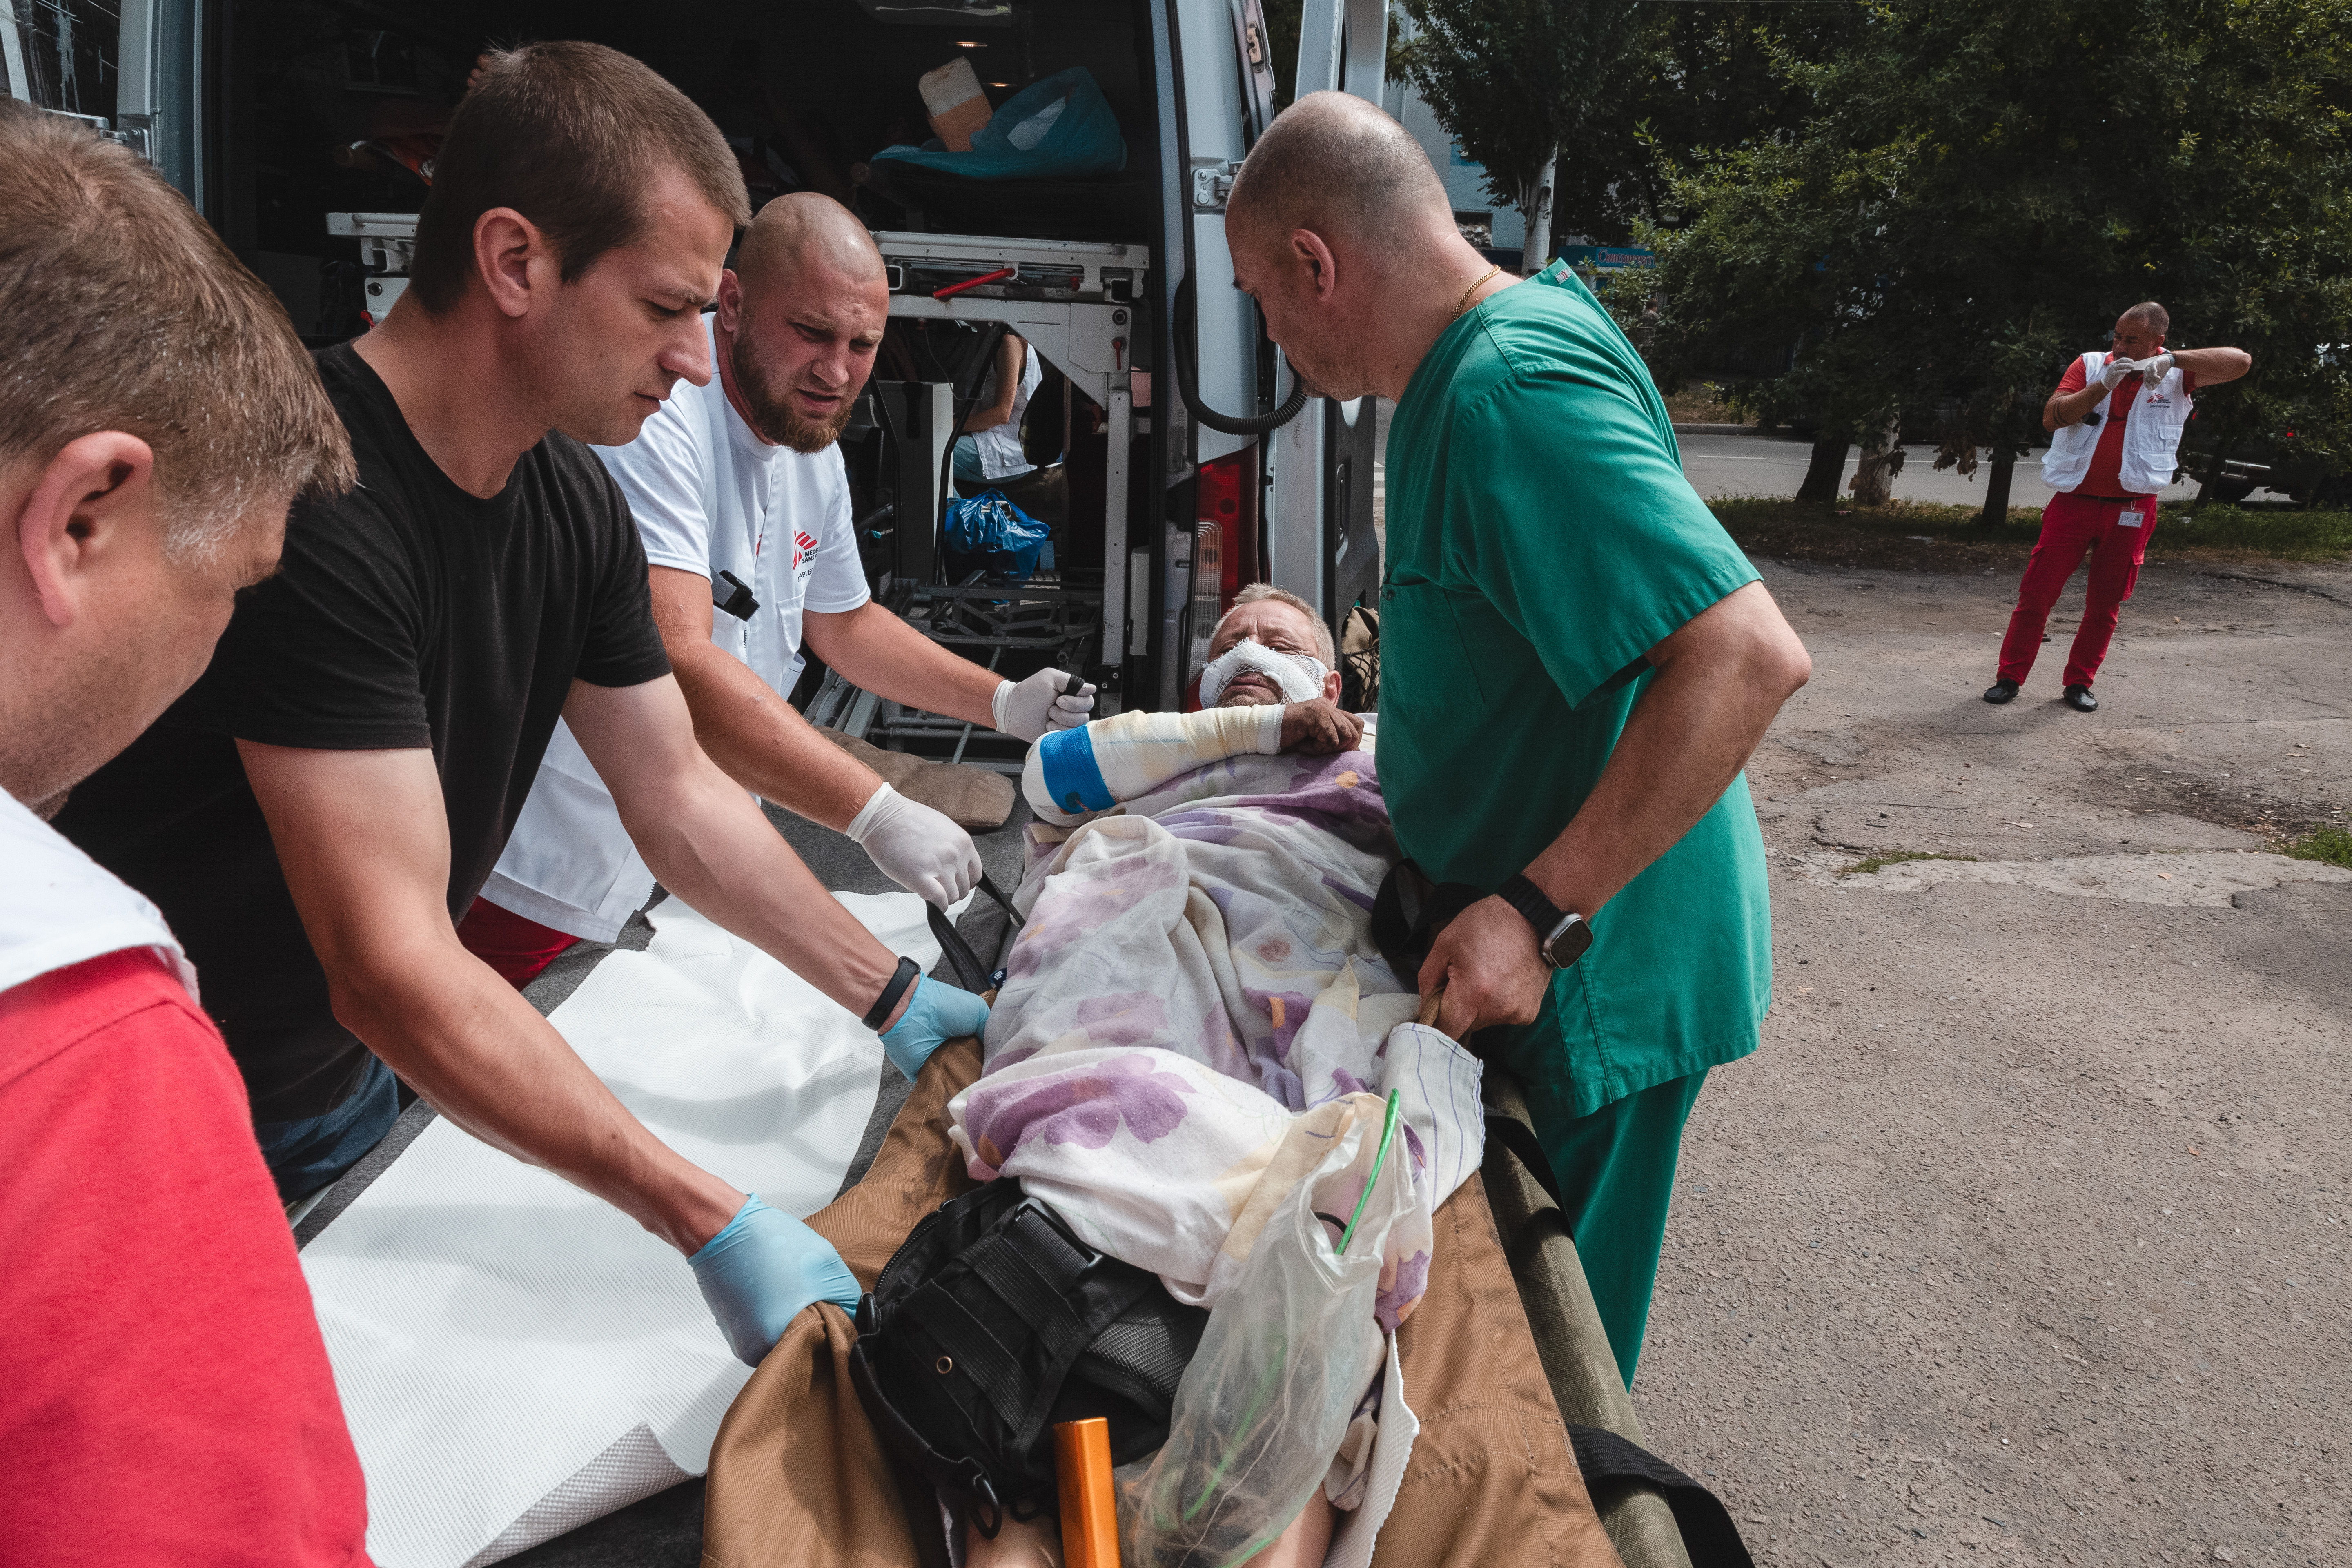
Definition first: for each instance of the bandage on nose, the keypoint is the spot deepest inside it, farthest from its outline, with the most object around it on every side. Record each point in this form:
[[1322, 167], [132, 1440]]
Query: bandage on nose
[[1298, 676]]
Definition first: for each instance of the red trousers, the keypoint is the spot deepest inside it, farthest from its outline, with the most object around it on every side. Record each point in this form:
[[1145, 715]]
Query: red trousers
[[515, 947], [2070, 526]]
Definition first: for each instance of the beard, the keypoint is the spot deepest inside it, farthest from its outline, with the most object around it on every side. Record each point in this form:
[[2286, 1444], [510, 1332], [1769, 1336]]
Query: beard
[[773, 413]]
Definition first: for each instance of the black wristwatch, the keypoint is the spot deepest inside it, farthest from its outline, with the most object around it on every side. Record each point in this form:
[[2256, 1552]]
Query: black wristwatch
[[1560, 938]]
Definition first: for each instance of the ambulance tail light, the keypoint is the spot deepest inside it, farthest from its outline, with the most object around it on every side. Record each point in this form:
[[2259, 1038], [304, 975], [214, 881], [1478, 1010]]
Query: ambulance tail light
[[1224, 544]]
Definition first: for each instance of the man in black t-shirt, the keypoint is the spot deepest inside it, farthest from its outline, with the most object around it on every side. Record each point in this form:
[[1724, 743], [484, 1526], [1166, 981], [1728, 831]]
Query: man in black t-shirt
[[325, 802]]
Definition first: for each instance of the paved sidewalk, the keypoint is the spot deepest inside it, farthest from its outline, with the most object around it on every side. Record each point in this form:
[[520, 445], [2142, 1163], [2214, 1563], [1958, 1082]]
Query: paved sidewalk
[[2023, 1239]]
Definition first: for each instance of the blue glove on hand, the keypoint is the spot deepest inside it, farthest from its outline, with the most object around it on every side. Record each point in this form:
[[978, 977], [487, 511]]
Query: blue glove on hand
[[935, 1015], [762, 1272]]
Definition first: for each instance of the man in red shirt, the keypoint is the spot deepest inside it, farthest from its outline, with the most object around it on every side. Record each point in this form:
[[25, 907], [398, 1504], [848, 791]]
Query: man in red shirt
[[164, 1393], [2107, 470]]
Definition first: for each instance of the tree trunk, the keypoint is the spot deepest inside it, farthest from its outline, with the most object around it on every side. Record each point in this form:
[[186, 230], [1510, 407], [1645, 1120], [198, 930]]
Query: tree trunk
[[1828, 466], [1996, 501], [1882, 458], [1537, 249]]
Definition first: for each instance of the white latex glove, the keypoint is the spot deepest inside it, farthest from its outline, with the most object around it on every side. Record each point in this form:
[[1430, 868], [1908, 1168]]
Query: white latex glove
[[2152, 371], [1025, 710], [916, 848], [2118, 370]]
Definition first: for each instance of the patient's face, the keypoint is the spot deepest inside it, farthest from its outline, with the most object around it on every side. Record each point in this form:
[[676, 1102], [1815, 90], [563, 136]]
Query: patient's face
[[1273, 624]]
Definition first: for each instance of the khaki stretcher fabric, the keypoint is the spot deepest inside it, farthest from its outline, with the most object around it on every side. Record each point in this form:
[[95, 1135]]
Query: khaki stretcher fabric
[[799, 1479], [974, 799]]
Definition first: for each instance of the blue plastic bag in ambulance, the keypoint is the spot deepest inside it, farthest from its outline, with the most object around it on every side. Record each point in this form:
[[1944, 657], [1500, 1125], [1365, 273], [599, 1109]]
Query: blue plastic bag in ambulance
[[1057, 128], [990, 534]]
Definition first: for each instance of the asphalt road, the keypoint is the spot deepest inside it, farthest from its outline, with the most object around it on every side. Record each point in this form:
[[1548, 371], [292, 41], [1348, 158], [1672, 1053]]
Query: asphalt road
[[1751, 465], [2022, 1238]]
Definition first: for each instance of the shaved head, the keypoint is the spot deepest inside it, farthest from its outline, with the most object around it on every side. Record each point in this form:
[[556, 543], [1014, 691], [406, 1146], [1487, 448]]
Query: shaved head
[[800, 316], [1335, 163], [801, 229], [1341, 231]]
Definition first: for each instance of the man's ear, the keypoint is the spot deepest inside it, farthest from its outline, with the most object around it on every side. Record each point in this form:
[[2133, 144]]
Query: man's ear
[[1311, 256], [730, 302], [80, 512], [511, 257], [1331, 686]]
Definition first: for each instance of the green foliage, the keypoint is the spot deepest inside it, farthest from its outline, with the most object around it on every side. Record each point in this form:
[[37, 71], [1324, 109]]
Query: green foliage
[[1978, 188], [1700, 78], [1512, 79], [2333, 845]]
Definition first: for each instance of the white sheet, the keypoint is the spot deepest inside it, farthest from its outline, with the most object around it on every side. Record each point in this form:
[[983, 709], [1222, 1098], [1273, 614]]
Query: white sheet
[[514, 1356]]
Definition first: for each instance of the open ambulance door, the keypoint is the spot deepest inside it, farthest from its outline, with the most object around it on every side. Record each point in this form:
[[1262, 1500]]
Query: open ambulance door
[[1280, 486], [1321, 545], [126, 71]]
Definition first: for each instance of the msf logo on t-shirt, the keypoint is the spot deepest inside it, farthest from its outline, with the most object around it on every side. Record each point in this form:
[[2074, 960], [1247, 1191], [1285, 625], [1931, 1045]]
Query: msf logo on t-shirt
[[804, 552]]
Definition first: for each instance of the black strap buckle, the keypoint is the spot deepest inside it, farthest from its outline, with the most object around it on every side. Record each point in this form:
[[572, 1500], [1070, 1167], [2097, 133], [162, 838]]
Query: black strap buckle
[[739, 603], [970, 973]]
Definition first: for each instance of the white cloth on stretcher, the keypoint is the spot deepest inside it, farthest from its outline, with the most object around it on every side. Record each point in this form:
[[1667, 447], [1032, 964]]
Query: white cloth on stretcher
[[516, 1357]]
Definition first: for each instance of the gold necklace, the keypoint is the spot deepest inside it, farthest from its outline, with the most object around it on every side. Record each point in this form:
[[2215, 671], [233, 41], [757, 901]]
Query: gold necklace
[[1474, 287]]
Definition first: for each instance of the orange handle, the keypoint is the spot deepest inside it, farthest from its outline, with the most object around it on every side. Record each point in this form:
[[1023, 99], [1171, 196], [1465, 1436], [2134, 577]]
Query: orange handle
[[1089, 1507]]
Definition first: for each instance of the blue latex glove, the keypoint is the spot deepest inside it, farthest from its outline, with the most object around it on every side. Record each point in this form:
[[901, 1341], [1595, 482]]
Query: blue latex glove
[[936, 1013], [762, 1272]]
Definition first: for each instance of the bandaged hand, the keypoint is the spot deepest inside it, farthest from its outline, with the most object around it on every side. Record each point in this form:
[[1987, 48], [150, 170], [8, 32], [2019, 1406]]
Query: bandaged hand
[[1026, 710], [1319, 729], [916, 848], [2152, 371], [2118, 371], [936, 1013], [1486, 958], [762, 1270]]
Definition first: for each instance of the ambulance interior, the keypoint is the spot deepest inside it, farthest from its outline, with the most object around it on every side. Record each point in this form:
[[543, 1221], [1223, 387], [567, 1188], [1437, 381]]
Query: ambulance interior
[[335, 107]]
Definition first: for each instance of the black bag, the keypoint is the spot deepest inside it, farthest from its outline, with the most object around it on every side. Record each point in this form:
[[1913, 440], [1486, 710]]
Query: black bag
[[1407, 914], [993, 1323]]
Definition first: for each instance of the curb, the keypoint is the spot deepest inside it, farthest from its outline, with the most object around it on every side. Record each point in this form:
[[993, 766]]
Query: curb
[[1715, 430]]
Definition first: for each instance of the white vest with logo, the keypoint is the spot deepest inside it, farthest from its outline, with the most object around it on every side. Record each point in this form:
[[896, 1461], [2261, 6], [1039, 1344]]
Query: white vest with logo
[[2152, 426]]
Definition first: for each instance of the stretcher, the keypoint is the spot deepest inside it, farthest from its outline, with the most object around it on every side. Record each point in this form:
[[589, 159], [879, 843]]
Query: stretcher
[[1570, 1343]]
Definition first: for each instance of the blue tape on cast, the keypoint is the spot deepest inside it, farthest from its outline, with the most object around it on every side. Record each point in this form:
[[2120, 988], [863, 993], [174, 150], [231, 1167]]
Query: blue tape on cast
[[1072, 775]]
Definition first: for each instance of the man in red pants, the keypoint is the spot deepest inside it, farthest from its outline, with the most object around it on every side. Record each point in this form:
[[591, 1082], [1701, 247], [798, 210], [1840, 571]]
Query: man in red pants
[[2107, 470]]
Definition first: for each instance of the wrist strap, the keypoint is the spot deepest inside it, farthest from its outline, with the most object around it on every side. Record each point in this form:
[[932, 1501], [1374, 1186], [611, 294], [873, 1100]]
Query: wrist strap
[[1534, 908], [908, 972]]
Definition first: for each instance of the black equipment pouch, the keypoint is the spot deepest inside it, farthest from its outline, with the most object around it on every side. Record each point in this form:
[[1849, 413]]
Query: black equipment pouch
[[993, 1322], [1408, 913]]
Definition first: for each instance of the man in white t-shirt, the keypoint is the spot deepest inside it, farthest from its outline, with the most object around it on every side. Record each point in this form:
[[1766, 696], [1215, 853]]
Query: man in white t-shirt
[[741, 497]]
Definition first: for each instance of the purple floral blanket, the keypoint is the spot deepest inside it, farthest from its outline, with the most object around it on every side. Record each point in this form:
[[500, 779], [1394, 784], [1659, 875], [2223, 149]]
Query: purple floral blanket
[[1195, 1009]]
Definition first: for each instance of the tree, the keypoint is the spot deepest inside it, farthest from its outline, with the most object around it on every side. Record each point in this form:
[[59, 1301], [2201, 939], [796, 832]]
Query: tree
[[1697, 78], [1515, 81], [1977, 189]]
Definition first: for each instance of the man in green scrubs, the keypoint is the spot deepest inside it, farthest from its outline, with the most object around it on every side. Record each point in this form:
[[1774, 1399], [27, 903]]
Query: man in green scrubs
[[1576, 663]]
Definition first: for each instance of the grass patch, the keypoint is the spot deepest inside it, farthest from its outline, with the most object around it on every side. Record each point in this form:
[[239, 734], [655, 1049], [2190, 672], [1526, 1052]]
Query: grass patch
[[1922, 536], [2280, 533], [2333, 845], [1896, 858]]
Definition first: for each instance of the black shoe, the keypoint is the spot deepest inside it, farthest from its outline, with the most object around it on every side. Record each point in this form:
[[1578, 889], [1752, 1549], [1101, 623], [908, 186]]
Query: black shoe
[[2080, 700], [2000, 691]]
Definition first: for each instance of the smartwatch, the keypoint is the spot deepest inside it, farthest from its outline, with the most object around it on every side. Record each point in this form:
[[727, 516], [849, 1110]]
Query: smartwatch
[[1561, 938]]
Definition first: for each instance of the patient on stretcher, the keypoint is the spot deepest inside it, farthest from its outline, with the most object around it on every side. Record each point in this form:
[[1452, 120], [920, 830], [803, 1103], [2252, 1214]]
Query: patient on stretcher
[[1195, 1008]]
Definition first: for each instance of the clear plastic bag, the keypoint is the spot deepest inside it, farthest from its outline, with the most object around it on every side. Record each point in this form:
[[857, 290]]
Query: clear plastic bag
[[1289, 1349]]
